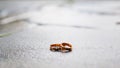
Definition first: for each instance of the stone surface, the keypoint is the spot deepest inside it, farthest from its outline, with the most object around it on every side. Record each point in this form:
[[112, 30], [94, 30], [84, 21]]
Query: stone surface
[[28, 45]]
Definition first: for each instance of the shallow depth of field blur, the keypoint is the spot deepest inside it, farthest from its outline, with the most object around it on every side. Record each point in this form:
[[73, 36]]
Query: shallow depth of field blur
[[27, 28]]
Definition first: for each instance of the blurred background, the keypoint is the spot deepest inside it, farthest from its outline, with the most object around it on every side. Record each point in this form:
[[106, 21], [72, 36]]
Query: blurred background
[[63, 12], [28, 27]]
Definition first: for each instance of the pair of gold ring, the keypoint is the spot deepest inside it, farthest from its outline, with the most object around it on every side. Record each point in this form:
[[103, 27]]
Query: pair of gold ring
[[63, 47]]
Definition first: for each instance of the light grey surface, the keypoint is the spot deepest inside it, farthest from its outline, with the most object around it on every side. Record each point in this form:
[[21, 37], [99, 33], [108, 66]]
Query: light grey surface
[[28, 46]]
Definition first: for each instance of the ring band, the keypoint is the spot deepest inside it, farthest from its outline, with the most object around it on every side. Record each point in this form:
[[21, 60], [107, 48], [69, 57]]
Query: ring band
[[66, 47], [55, 47]]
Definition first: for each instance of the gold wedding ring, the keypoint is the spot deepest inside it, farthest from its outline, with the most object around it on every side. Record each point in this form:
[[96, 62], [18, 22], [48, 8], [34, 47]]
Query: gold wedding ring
[[66, 47], [63, 47]]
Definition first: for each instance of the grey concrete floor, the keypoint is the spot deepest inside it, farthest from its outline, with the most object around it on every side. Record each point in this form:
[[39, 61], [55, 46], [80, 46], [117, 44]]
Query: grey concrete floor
[[28, 45], [29, 48]]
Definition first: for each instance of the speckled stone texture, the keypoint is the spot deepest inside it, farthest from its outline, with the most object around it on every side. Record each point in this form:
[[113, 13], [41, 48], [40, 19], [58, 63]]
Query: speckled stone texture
[[29, 48], [97, 47]]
